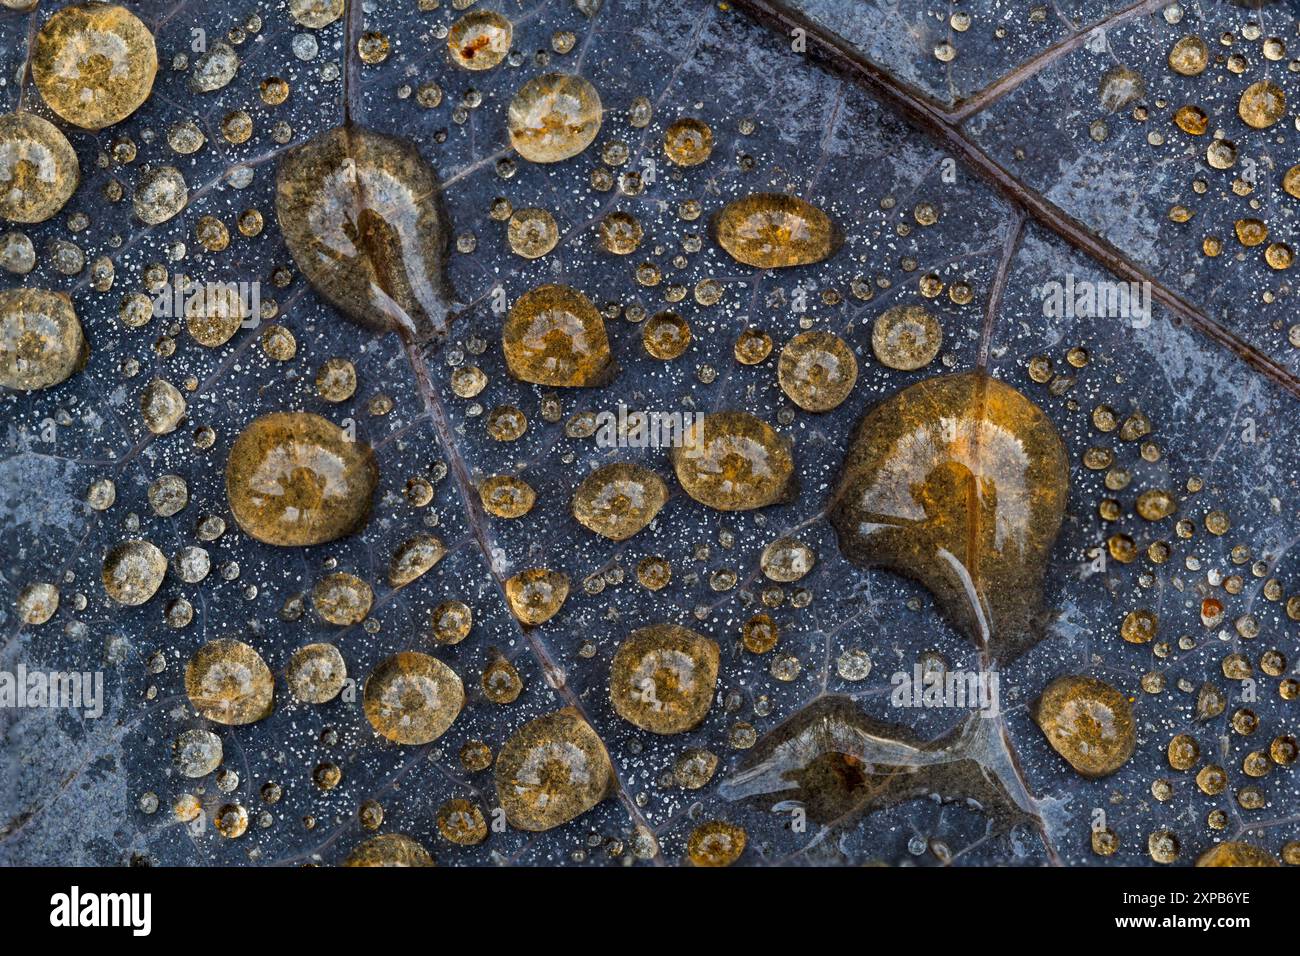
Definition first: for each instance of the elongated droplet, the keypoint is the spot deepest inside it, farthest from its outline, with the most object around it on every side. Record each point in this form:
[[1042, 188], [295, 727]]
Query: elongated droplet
[[775, 231], [390, 849], [361, 217], [959, 482], [839, 764]]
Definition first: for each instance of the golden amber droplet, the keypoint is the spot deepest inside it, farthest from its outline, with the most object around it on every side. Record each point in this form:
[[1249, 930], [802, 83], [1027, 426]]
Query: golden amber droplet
[[787, 560], [336, 380], [479, 40], [1193, 121], [1279, 256], [451, 622], [618, 500], [462, 823], [295, 479], [414, 557], [412, 698], [715, 843], [537, 594], [1139, 627], [906, 337], [1291, 182], [1104, 841], [551, 770], [620, 233], [315, 14], [373, 47], [1183, 752], [37, 603], [960, 482], [214, 314], [775, 230], [38, 168], [1235, 853], [817, 371], [759, 634], [162, 406], [666, 336], [555, 336], [360, 215], [1189, 56], [94, 64], [341, 598], [506, 496], [1087, 722], [553, 117], [229, 683], [506, 423], [316, 673], [654, 573], [133, 571], [41, 341], [663, 677], [501, 682], [231, 820], [733, 461], [688, 142], [1251, 232], [1262, 104], [391, 849], [532, 233], [752, 346], [695, 768], [160, 195], [1156, 503]]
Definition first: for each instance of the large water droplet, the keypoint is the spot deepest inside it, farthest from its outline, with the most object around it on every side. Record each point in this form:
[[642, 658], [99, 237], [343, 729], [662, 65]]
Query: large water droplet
[[361, 217], [960, 482]]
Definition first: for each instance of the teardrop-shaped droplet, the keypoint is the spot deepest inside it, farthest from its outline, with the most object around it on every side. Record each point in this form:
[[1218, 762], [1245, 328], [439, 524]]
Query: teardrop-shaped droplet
[[959, 482], [361, 217]]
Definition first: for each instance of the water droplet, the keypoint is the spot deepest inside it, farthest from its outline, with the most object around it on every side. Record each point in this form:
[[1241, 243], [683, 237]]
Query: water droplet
[[775, 230], [94, 64], [551, 770], [412, 698], [360, 215], [41, 340], [1087, 722], [295, 479], [960, 482], [229, 683], [663, 677], [38, 168], [618, 500]]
